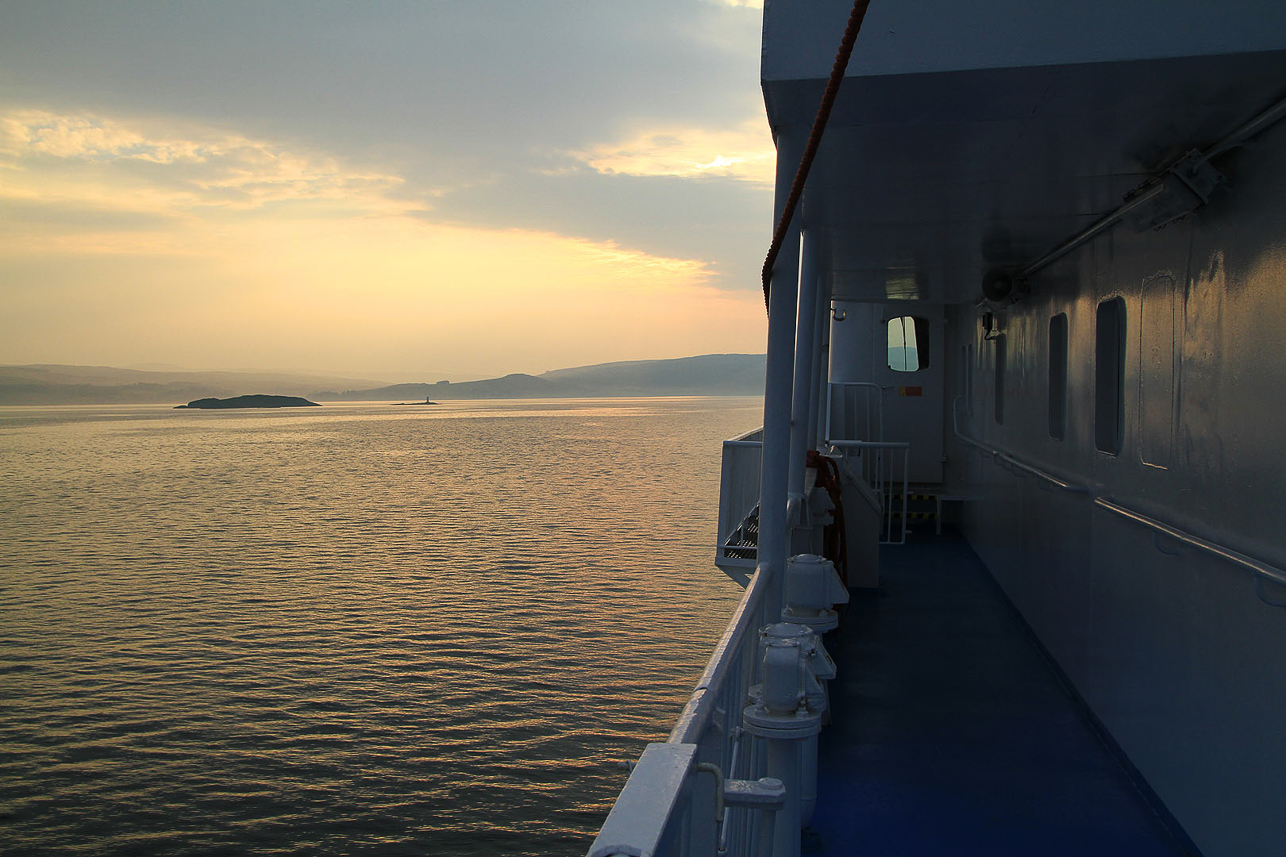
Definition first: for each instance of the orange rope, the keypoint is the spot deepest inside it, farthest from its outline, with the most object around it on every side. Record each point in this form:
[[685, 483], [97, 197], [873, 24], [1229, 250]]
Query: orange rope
[[814, 138]]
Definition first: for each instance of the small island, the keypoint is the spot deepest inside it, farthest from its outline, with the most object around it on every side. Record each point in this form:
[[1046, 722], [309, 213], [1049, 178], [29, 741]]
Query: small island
[[427, 401], [255, 401]]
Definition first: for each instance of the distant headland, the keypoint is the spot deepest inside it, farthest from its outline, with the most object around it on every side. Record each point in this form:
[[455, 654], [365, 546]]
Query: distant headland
[[255, 401], [704, 375]]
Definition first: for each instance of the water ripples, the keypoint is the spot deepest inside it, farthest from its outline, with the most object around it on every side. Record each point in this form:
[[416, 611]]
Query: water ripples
[[352, 631]]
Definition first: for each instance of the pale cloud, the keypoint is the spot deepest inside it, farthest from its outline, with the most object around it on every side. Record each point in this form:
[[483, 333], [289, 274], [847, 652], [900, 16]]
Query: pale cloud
[[131, 166], [206, 247], [744, 153], [376, 295], [740, 4]]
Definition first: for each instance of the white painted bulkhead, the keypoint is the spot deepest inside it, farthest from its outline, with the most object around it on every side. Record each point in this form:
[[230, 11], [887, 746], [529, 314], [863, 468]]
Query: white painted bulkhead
[[976, 135], [1170, 647], [864, 383]]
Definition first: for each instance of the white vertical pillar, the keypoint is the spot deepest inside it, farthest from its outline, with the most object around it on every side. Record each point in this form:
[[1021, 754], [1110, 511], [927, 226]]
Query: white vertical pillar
[[783, 763], [775, 467], [821, 349], [805, 348], [850, 348]]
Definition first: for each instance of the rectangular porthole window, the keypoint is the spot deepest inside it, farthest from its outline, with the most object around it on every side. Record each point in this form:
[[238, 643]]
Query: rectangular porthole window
[[999, 344], [908, 345], [1058, 376], [1109, 376]]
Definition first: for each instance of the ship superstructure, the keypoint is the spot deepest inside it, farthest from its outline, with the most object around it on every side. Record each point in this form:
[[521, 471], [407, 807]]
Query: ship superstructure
[[1035, 286]]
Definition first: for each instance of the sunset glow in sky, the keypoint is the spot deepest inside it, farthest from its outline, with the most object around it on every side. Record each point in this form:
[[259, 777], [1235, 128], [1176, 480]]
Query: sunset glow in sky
[[406, 191]]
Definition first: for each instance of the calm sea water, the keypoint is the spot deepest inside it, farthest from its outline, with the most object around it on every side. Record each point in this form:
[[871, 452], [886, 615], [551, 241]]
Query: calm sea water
[[356, 629]]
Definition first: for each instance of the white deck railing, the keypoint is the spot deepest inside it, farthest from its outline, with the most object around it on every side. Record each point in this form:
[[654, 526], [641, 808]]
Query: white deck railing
[[867, 456], [871, 464], [852, 413], [737, 547], [700, 792], [703, 790]]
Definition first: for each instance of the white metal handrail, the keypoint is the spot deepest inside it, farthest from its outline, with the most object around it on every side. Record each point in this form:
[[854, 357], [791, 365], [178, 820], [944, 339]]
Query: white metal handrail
[[1004, 458], [738, 639], [1263, 571], [867, 387], [708, 736], [878, 474], [875, 471]]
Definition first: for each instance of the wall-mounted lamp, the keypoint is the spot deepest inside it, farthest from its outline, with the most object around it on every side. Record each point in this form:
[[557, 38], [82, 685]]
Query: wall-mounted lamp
[[1000, 286]]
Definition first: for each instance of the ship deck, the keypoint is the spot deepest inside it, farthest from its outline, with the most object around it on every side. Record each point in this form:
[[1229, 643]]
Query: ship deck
[[953, 734]]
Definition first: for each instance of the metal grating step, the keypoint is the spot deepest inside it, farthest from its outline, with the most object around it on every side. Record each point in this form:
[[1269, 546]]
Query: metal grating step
[[743, 542]]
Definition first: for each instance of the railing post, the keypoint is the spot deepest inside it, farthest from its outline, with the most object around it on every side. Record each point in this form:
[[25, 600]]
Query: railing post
[[726, 522], [703, 830]]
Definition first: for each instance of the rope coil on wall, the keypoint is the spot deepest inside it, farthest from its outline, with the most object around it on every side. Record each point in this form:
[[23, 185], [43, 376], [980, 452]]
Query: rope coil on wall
[[814, 139]]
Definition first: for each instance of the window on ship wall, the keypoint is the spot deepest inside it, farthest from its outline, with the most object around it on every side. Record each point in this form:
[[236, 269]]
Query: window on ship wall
[[908, 343], [1109, 376]]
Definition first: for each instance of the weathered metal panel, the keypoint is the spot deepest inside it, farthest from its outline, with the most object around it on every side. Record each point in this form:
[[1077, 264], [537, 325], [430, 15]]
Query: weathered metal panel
[[1170, 646]]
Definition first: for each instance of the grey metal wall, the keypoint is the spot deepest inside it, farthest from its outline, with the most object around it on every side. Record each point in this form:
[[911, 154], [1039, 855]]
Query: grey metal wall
[[1171, 648]]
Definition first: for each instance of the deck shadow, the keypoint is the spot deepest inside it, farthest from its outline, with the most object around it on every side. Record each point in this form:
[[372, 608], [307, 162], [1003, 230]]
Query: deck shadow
[[952, 734]]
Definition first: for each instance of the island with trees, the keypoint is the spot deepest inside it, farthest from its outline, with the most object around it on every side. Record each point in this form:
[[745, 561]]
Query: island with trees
[[253, 401]]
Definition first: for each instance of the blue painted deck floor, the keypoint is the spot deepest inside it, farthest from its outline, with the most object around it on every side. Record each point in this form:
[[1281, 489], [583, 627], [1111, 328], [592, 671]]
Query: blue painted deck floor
[[952, 735]]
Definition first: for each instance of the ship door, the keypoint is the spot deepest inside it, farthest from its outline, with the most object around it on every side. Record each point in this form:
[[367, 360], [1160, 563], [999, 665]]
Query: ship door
[[906, 360]]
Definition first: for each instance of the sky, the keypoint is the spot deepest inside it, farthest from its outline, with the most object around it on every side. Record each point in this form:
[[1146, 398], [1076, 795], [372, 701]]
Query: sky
[[392, 190]]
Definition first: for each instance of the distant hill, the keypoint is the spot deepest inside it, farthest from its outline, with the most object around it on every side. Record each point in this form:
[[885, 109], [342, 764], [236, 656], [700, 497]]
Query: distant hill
[[52, 384], [707, 375]]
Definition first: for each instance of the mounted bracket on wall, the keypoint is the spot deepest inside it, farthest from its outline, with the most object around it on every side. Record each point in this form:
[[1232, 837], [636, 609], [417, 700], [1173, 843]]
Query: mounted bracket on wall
[[1174, 194], [838, 313], [989, 331]]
